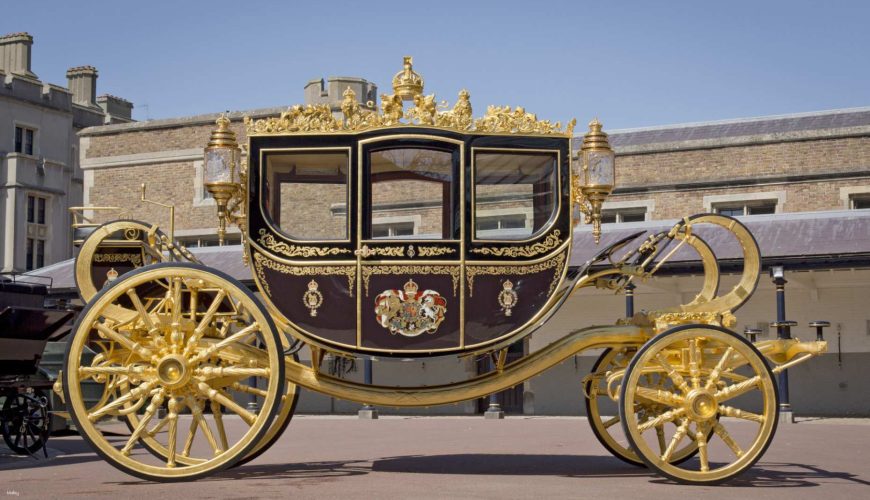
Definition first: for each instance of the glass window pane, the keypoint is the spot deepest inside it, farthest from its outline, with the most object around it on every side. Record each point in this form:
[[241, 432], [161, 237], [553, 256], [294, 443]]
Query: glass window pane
[[767, 208], [518, 182], [31, 209], [29, 249], [633, 216], [28, 141], [40, 213], [40, 253], [730, 211], [305, 194], [19, 139], [861, 203], [416, 184]]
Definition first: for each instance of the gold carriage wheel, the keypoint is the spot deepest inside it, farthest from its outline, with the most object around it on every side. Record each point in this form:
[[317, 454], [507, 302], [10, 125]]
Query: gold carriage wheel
[[192, 344], [609, 432], [715, 373]]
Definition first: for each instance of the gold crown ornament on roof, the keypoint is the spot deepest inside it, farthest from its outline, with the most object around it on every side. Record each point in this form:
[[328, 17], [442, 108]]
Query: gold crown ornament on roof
[[408, 83], [423, 110]]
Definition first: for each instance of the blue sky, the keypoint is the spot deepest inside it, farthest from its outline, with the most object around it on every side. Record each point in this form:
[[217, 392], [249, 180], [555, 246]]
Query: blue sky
[[632, 64]]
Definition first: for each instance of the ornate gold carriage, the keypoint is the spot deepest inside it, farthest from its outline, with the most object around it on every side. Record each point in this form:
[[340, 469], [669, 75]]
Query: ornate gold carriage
[[407, 232]]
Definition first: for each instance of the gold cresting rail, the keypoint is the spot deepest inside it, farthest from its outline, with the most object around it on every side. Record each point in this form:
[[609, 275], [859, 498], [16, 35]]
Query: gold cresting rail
[[174, 335]]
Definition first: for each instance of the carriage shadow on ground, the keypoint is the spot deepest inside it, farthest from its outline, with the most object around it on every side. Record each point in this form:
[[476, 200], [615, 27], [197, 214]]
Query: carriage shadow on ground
[[765, 474]]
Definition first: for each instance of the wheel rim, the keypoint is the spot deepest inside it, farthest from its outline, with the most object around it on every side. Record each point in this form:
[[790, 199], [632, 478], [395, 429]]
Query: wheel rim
[[599, 403], [715, 373], [186, 339]]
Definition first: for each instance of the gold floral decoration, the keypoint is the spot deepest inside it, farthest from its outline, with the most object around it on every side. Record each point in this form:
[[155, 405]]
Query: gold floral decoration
[[262, 262], [133, 258], [550, 242], [556, 263], [268, 241], [434, 251]]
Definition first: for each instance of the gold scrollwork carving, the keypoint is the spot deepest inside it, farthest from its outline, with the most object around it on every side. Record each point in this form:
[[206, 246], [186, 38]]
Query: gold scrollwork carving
[[550, 242], [408, 85], [269, 241], [261, 262], [369, 271], [388, 251], [133, 258], [665, 320], [472, 271], [434, 251]]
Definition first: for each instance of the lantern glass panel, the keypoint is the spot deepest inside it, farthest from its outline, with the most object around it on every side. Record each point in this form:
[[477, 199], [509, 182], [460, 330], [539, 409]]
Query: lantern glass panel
[[217, 165], [600, 170]]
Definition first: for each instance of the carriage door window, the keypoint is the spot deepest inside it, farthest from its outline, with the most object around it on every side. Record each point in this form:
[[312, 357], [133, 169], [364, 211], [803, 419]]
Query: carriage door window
[[305, 194], [515, 194], [411, 194]]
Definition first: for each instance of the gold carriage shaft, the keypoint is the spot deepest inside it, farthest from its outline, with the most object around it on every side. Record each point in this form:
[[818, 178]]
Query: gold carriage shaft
[[379, 233]]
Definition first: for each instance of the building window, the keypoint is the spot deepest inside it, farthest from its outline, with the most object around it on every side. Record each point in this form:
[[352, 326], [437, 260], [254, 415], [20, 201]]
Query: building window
[[24, 140], [619, 215], [741, 208], [493, 225], [37, 231], [859, 201], [392, 229], [210, 240]]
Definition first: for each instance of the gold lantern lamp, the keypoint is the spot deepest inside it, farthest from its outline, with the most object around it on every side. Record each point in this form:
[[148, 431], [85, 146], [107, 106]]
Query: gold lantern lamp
[[223, 174], [594, 176]]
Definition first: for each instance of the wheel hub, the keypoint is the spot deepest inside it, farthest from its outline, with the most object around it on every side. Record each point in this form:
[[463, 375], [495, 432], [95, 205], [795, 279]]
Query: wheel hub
[[701, 405], [173, 372]]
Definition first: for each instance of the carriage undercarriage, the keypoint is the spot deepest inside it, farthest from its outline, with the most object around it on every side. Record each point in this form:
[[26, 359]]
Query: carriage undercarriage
[[178, 347]]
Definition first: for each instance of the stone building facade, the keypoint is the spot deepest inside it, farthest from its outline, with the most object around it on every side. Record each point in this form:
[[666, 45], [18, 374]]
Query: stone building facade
[[811, 167], [40, 175]]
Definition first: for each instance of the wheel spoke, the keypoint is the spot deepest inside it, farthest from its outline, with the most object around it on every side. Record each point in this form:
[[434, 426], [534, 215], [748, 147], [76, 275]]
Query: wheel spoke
[[236, 337], [695, 363], [140, 309], [177, 336], [215, 395], [660, 435], [191, 434], [678, 379], [668, 416], [723, 434], [196, 408], [660, 396], [135, 394], [730, 411], [717, 371], [125, 341], [209, 372], [681, 432], [701, 439], [734, 390], [610, 423], [156, 401], [219, 423], [173, 432]]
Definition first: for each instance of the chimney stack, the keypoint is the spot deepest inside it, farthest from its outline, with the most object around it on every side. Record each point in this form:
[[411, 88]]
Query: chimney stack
[[83, 85], [117, 109], [15, 54]]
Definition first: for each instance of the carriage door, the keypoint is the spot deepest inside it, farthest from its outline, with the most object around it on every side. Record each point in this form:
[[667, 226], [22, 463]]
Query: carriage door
[[409, 247]]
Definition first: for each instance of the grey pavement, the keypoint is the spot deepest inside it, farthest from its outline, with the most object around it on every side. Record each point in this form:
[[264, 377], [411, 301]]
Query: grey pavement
[[458, 457]]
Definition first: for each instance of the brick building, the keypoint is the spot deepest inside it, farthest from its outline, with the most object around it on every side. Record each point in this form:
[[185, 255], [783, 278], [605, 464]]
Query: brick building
[[799, 181]]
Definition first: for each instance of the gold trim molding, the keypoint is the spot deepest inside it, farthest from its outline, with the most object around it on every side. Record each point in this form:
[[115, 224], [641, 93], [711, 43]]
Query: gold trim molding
[[268, 241], [261, 262], [472, 271], [133, 258], [552, 241], [434, 251]]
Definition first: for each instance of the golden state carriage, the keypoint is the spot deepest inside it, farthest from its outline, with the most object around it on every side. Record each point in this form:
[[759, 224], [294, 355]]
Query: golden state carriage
[[382, 233]]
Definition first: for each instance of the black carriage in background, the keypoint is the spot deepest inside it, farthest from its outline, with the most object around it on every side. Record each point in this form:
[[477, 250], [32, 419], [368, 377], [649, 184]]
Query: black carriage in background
[[26, 326]]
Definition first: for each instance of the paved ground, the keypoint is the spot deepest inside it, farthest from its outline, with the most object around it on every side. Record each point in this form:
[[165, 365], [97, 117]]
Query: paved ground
[[459, 457]]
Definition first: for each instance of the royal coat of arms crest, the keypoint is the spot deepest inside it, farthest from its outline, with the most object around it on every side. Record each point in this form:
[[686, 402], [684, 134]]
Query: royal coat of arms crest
[[409, 312]]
